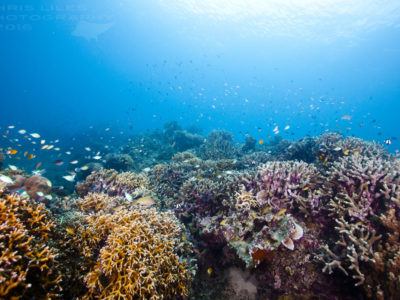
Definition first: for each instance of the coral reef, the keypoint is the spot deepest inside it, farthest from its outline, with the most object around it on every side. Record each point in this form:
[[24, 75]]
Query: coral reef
[[151, 270], [218, 145], [126, 184], [262, 217], [317, 218], [364, 193], [28, 266], [131, 252]]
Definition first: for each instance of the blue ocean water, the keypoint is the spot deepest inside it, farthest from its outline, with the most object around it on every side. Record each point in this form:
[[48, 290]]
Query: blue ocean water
[[70, 68]]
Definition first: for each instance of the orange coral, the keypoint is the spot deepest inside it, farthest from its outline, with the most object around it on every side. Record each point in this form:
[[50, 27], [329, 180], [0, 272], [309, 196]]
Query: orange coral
[[136, 255], [26, 261]]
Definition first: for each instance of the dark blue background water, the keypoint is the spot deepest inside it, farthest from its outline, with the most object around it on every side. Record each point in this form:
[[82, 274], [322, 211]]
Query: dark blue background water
[[156, 61]]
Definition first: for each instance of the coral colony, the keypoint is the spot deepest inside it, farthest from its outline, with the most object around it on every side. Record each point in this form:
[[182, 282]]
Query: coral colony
[[204, 218]]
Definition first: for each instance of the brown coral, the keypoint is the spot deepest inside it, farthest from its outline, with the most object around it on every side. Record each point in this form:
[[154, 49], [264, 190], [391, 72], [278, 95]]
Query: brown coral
[[95, 202], [27, 262], [139, 259]]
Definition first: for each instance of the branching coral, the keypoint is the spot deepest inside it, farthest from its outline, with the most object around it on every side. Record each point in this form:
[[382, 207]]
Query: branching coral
[[99, 202], [245, 200], [364, 195], [139, 255], [281, 184], [27, 262]]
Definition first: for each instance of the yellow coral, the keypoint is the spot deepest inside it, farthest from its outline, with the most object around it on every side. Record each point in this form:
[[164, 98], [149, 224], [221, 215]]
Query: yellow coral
[[139, 259], [26, 261], [95, 202], [245, 200]]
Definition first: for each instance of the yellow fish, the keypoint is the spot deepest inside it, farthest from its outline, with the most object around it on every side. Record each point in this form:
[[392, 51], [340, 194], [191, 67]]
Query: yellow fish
[[145, 201], [70, 231], [261, 142], [281, 212], [266, 210], [209, 271], [13, 151]]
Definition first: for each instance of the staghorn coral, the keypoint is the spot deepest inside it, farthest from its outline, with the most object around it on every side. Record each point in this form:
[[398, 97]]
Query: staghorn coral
[[28, 266], [137, 254], [364, 194]]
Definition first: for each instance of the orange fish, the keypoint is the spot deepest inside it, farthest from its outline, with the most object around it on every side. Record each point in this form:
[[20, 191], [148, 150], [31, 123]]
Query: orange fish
[[30, 156], [70, 230], [38, 165], [13, 151], [261, 142]]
